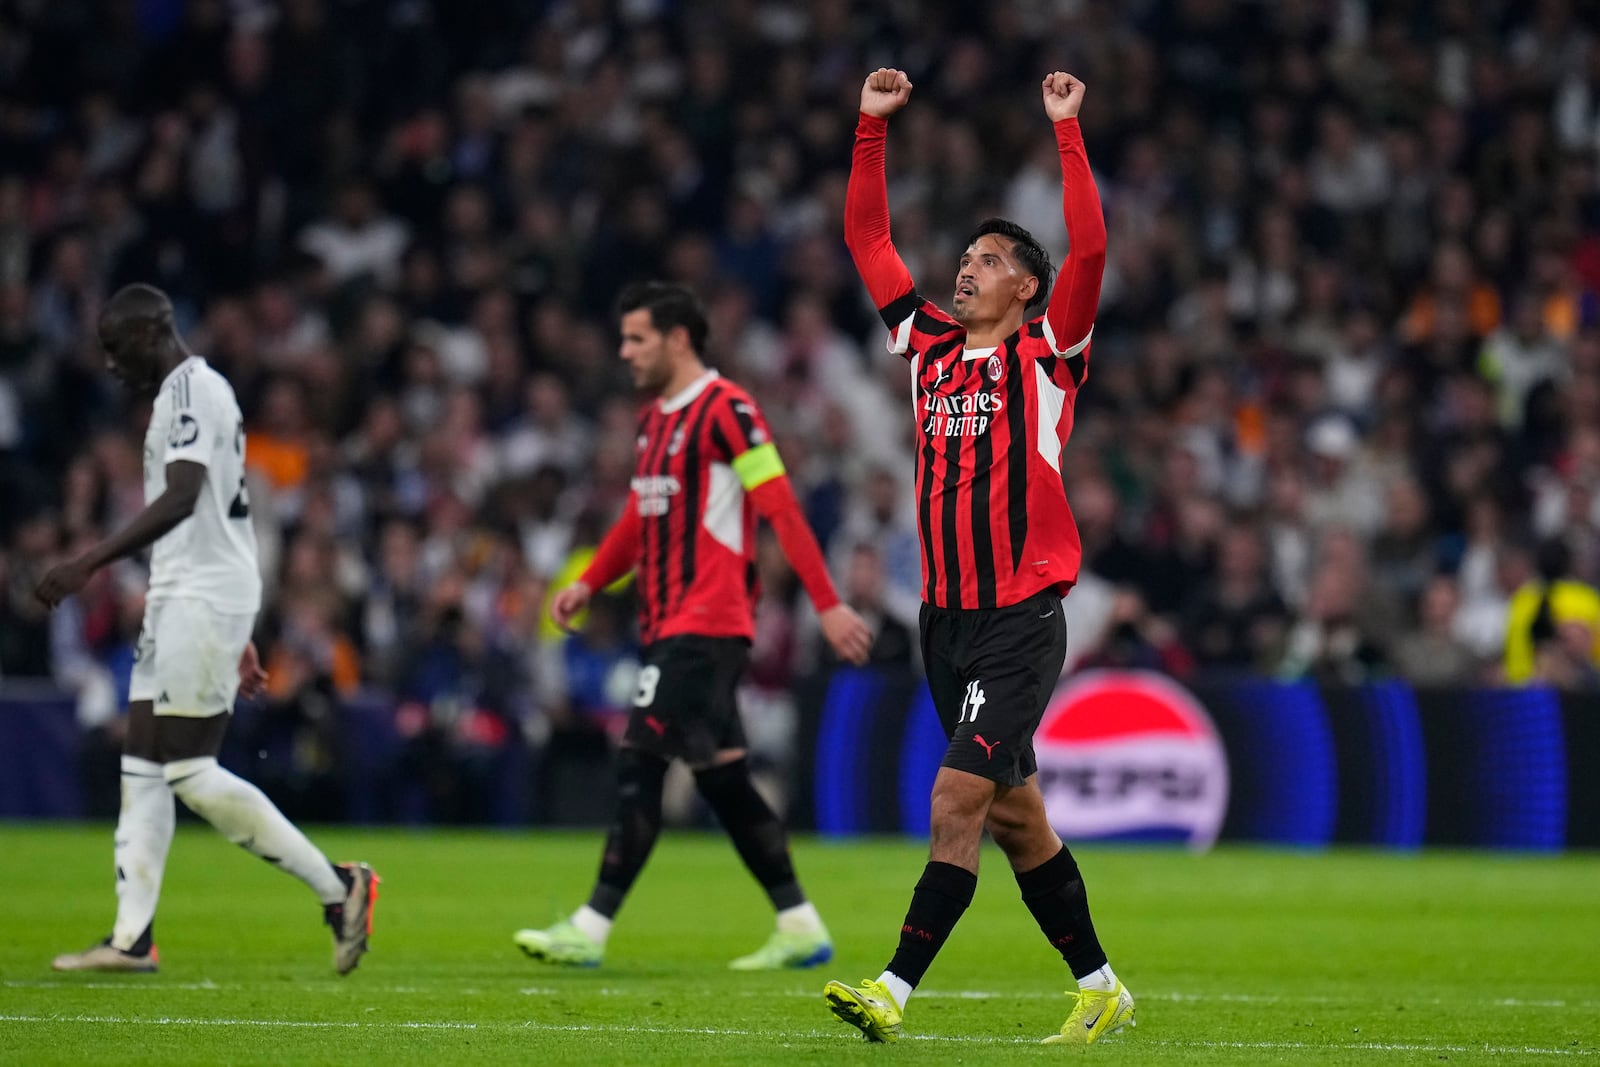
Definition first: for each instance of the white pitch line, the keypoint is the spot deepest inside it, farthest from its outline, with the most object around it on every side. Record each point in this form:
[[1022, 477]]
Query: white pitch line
[[1378, 1046], [601, 1028], [139, 984], [143, 985]]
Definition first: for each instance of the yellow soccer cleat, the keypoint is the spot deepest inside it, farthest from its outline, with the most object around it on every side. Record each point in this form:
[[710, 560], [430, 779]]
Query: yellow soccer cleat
[[1095, 1015], [869, 1007], [784, 950], [562, 944]]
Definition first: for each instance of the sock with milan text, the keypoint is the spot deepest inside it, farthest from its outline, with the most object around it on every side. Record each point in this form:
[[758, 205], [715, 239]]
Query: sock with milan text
[[943, 892], [1054, 892]]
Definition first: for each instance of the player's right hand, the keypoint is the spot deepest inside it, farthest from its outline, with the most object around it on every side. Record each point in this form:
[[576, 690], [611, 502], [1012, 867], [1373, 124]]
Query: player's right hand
[[569, 603], [885, 92], [848, 635], [61, 581]]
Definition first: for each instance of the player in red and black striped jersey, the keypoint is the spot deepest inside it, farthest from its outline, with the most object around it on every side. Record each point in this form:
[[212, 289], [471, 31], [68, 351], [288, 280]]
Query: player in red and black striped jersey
[[706, 469], [993, 383]]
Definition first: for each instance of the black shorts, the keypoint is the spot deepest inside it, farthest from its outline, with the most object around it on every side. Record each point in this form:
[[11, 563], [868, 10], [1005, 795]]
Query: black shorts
[[685, 706], [992, 671]]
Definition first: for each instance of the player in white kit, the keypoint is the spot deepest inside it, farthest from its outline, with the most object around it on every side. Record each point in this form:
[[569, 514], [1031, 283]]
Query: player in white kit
[[194, 652]]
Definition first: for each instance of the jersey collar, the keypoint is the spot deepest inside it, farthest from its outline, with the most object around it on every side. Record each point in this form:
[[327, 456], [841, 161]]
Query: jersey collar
[[179, 369], [688, 393]]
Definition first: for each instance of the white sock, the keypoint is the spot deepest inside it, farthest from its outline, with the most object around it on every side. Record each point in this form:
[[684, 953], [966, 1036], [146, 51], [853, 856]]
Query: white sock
[[246, 817], [592, 924], [1102, 981], [144, 834], [897, 986], [801, 919]]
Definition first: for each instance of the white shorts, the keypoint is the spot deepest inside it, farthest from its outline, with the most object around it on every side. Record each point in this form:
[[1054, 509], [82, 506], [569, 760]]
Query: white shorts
[[187, 659]]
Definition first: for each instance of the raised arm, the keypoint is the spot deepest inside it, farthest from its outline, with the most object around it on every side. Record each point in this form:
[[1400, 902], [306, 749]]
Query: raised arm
[[866, 205], [1069, 319]]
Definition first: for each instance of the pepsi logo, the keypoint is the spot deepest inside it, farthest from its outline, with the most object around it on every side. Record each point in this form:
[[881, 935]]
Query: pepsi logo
[[1131, 754]]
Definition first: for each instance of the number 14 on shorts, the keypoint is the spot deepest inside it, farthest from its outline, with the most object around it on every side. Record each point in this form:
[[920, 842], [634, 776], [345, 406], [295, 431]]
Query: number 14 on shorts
[[973, 700]]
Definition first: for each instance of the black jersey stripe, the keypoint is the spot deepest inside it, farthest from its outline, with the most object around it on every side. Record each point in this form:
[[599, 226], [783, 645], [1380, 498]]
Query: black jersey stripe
[[926, 520], [932, 326], [1017, 449], [950, 517], [656, 528], [979, 511], [1078, 367], [925, 511], [898, 310], [694, 416]]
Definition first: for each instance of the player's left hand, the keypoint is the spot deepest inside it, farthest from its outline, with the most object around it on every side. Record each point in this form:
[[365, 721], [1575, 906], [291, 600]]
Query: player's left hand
[[61, 581], [847, 634], [252, 676], [1063, 96]]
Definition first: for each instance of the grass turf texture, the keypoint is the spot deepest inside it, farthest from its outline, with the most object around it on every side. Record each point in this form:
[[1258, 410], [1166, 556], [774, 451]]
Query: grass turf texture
[[1241, 956]]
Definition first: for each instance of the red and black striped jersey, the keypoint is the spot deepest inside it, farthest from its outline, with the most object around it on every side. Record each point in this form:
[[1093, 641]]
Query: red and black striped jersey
[[991, 508], [706, 467], [696, 569]]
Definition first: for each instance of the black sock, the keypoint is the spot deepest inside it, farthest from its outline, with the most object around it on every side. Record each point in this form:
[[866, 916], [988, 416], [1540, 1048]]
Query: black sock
[[143, 943], [633, 831], [942, 894], [1054, 892], [755, 828]]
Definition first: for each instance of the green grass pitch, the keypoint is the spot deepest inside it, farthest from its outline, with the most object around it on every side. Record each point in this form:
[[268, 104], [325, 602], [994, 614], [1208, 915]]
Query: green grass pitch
[[1240, 956]]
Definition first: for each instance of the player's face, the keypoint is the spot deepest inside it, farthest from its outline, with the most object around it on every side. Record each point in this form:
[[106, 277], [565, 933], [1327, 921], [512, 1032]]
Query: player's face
[[131, 354], [988, 280], [644, 350]]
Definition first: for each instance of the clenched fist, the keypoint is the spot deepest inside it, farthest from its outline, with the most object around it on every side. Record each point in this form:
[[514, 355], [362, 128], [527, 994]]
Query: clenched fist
[[885, 92], [1063, 95]]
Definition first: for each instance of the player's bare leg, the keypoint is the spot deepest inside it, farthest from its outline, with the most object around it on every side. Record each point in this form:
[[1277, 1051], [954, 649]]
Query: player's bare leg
[[1052, 888]]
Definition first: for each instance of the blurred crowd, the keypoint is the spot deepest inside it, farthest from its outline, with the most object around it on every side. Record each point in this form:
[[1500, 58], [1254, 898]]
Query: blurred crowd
[[1342, 420]]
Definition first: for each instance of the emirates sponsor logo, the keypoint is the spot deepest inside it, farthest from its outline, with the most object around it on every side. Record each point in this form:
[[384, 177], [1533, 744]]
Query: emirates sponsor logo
[[655, 493]]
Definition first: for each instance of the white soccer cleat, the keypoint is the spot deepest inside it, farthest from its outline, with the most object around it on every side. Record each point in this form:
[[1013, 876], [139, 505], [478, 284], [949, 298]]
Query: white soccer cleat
[[106, 957]]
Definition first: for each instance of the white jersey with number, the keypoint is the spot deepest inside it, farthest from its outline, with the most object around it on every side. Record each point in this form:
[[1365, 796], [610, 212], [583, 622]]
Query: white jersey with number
[[211, 555]]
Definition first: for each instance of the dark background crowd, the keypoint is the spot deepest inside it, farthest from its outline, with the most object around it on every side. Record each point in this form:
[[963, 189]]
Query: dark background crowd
[[1343, 414]]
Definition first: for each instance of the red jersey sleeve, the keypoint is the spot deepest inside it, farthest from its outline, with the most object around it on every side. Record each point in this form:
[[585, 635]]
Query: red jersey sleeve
[[866, 233], [1069, 319], [619, 551]]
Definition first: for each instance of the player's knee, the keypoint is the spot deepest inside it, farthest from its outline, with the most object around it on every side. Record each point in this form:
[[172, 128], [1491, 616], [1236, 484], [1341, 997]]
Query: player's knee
[[640, 776], [181, 773], [188, 778], [1008, 831], [723, 779]]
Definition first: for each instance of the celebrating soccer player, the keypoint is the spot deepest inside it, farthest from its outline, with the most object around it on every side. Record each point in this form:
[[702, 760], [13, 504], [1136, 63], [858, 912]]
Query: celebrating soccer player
[[993, 384], [705, 467], [194, 652]]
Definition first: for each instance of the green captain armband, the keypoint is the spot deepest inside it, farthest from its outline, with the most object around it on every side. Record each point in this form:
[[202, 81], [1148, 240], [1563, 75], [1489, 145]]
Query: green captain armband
[[758, 466]]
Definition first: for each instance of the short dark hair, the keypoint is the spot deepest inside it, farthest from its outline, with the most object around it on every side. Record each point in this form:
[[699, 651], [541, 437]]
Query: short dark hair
[[669, 305], [1029, 252]]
